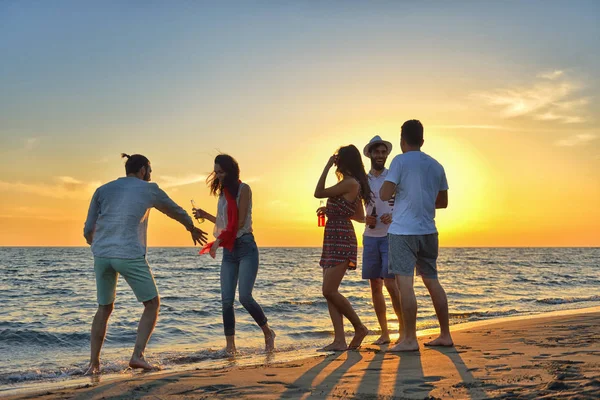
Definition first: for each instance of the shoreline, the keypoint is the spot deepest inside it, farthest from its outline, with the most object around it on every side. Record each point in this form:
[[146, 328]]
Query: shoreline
[[290, 359]]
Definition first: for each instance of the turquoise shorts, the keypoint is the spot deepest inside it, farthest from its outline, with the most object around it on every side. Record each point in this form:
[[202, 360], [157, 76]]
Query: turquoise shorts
[[136, 272]]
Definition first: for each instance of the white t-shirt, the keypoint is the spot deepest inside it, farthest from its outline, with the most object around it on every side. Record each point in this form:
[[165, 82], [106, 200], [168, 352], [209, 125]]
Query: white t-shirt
[[419, 179], [381, 207]]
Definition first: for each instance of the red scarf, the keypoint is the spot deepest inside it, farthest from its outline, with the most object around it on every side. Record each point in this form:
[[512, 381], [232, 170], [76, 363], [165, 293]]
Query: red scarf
[[229, 234]]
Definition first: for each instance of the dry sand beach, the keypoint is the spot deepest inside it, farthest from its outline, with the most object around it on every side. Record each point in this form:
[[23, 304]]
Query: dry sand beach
[[540, 357]]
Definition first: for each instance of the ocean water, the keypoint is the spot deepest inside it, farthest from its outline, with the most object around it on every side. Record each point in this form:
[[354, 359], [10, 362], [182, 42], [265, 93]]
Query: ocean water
[[47, 298]]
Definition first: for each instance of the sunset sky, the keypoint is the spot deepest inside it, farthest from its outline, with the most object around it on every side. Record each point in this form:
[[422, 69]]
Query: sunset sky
[[508, 92]]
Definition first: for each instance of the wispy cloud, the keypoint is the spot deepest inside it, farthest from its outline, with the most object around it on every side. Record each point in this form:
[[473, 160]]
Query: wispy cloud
[[553, 97], [65, 187], [173, 181], [30, 143], [552, 75], [576, 140]]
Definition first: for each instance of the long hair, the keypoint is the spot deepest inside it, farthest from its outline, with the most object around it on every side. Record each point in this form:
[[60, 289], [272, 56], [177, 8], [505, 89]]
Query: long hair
[[232, 176], [350, 164]]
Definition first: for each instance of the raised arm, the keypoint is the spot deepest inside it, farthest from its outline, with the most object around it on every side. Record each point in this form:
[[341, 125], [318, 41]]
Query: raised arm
[[200, 213], [344, 187], [92, 216]]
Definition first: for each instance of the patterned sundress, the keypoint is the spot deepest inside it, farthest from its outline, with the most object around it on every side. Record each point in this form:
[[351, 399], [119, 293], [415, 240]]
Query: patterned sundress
[[339, 239]]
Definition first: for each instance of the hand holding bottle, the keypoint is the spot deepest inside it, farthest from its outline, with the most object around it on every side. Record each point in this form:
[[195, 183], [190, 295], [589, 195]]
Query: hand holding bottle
[[199, 213], [321, 214], [371, 220]]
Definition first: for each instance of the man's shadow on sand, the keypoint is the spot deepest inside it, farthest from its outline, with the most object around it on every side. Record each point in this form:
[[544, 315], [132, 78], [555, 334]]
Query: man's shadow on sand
[[303, 386], [410, 378], [473, 385]]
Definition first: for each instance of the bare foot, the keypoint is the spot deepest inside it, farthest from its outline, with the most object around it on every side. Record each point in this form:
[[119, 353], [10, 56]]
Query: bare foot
[[93, 369], [406, 345], [140, 362], [270, 342], [359, 336], [231, 350], [383, 339], [441, 341], [336, 346]]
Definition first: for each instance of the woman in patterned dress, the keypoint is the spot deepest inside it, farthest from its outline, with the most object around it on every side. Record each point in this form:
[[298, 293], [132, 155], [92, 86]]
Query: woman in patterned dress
[[344, 202]]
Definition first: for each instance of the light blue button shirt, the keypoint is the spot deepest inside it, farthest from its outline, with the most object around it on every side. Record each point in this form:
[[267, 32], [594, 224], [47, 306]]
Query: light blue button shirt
[[118, 217]]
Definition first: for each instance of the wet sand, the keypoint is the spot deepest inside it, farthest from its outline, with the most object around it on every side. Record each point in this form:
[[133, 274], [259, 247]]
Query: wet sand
[[540, 357]]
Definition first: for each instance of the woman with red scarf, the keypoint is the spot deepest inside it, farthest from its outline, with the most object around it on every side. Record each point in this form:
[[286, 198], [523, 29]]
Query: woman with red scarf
[[233, 232]]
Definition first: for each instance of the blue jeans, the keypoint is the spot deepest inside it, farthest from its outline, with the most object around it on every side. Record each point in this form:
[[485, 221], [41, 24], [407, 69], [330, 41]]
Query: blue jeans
[[241, 265]]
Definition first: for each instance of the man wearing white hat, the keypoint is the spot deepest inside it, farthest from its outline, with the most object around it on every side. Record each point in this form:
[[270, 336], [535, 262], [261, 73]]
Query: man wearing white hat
[[375, 242]]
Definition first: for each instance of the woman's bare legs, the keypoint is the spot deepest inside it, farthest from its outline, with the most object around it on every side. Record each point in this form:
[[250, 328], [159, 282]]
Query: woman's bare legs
[[332, 277]]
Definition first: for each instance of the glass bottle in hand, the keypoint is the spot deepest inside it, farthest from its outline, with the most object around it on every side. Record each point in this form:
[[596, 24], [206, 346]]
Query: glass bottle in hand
[[194, 208], [373, 214]]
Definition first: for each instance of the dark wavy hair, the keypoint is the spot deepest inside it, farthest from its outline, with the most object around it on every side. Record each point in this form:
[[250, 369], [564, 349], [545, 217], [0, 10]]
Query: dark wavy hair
[[232, 176], [349, 164]]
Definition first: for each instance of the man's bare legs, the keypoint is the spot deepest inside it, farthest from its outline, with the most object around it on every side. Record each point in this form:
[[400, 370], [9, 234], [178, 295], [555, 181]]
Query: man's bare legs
[[145, 329], [380, 309], [97, 337], [409, 314], [332, 277], [394, 292], [440, 303]]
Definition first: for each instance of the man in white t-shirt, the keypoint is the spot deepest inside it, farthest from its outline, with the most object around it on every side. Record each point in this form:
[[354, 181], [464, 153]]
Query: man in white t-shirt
[[420, 187], [375, 241]]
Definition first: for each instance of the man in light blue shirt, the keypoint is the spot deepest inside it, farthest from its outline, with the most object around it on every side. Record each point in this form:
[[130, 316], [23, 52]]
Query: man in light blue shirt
[[116, 228], [420, 187]]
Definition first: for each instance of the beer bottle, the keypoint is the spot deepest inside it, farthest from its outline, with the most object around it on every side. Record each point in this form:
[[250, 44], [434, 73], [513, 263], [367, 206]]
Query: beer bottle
[[373, 214]]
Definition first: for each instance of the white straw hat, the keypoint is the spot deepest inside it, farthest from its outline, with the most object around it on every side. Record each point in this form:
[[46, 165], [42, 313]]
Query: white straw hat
[[377, 140]]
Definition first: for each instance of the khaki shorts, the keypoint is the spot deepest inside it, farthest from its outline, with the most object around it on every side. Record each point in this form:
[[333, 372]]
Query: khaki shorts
[[136, 272]]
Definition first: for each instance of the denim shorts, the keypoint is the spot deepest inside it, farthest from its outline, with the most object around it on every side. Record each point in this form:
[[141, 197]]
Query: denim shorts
[[410, 251], [375, 258]]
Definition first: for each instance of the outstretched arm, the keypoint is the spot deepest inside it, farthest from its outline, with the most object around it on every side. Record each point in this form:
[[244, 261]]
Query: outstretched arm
[[164, 204], [200, 213]]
